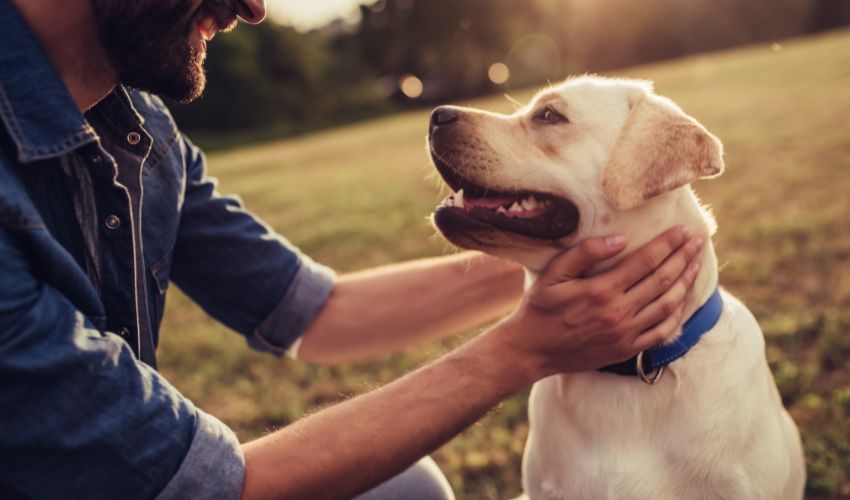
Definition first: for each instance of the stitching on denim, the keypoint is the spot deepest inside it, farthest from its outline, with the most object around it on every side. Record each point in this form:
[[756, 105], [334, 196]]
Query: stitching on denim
[[126, 99], [28, 152], [65, 145], [155, 271], [267, 343], [116, 127], [157, 154], [154, 104], [11, 120]]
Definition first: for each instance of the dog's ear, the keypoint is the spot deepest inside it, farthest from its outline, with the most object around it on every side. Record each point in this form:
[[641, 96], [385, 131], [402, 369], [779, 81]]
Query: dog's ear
[[659, 149]]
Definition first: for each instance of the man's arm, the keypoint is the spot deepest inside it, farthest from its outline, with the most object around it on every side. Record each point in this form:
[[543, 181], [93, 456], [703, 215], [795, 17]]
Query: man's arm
[[251, 279], [350, 447], [393, 307], [82, 418], [563, 324]]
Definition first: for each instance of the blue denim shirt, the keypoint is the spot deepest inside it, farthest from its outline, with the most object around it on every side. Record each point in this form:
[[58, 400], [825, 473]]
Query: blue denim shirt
[[98, 214]]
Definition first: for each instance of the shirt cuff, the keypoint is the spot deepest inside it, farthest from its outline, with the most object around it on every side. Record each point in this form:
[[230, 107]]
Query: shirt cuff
[[213, 468], [280, 332]]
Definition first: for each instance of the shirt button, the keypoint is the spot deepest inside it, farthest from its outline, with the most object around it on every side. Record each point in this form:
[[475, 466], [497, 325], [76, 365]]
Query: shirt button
[[113, 222], [96, 160], [134, 138], [124, 331]]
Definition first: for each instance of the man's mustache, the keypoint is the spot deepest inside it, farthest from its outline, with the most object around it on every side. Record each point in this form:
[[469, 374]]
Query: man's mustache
[[225, 12]]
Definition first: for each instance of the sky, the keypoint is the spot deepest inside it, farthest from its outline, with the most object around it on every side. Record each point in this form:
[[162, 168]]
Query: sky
[[306, 14]]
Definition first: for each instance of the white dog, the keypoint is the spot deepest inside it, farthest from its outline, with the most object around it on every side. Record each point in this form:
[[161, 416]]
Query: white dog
[[593, 157]]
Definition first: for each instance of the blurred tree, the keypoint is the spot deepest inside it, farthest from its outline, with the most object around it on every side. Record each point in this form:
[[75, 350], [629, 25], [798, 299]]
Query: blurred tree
[[829, 14], [448, 44], [271, 77]]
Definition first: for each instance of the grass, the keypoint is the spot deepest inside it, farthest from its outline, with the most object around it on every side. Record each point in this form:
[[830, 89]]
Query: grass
[[358, 196]]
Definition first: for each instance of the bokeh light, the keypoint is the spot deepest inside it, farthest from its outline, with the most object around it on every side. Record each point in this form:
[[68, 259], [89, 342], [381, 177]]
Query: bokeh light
[[534, 58], [411, 86], [498, 73]]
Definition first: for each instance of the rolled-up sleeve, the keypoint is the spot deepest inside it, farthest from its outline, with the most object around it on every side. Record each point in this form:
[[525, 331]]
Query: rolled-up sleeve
[[82, 418], [213, 467], [239, 270]]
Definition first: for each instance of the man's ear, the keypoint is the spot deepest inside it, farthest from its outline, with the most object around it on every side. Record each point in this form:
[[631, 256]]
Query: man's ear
[[659, 149]]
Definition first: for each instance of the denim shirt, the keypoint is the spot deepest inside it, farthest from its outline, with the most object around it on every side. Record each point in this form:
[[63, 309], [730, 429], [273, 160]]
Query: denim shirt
[[98, 214]]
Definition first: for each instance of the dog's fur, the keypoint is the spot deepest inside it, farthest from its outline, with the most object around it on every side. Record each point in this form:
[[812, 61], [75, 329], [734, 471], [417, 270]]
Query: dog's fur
[[714, 425]]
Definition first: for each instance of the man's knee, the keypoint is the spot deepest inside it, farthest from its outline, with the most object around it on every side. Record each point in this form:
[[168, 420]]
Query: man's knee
[[422, 481]]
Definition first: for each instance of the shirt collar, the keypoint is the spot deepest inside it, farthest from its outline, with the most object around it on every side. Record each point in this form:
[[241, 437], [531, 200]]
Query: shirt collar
[[35, 106]]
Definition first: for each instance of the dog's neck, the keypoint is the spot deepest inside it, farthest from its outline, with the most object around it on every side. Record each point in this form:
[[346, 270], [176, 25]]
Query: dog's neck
[[679, 207]]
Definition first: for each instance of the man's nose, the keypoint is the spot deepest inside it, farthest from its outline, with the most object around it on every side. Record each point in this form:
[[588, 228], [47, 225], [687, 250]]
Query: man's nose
[[252, 11], [443, 116]]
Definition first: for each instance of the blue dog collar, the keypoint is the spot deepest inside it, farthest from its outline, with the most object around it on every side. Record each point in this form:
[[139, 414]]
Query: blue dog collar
[[653, 360]]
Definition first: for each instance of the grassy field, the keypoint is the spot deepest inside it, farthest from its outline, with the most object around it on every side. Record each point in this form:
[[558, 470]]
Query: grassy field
[[359, 196]]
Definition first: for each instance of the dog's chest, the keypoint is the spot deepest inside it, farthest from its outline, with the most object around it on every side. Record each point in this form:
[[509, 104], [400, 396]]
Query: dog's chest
[[596, 435]]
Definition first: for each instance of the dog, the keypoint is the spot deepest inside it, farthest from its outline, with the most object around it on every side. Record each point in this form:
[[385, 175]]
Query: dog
[[591, 157]]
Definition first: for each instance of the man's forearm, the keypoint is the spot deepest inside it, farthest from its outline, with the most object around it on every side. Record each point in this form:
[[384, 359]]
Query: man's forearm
[[393, 307], [350, 447], [562, 325]]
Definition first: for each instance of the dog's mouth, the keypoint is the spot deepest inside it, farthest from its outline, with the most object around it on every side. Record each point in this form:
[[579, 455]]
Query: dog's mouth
[[534, 214]]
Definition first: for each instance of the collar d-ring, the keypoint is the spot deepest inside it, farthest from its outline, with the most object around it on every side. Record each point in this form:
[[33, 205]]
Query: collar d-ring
[[649, 378]]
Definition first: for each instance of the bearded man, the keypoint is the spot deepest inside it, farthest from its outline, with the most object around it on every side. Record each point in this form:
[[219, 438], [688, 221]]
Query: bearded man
[[104, 202]]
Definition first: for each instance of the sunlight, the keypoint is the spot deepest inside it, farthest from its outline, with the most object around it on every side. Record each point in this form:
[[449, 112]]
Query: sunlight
[[315, 13]]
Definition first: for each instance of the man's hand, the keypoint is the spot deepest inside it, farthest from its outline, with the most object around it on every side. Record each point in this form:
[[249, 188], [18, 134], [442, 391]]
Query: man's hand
[[565, 323], [568, 324]]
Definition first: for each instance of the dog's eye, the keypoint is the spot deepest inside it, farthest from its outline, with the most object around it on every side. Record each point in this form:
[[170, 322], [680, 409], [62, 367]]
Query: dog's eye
[[549, 116]]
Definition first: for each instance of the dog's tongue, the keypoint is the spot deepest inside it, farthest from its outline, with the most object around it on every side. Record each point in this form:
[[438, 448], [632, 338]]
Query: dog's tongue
[[491, 203]]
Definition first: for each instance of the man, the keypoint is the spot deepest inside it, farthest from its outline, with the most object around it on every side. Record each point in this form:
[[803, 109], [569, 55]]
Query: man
[[103, 202]]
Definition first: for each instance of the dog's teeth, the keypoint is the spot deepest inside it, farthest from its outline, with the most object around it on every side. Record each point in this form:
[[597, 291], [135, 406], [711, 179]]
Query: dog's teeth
[[459, 199], [529, 203], [501, 210], [515, 208]]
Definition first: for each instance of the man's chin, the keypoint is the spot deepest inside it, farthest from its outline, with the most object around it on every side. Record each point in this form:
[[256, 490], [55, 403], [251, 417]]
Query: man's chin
[[186, 94], [182, 86]]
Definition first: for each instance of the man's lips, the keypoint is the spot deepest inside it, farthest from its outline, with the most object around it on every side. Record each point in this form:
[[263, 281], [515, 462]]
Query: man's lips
[[213, 16], [207, 27]]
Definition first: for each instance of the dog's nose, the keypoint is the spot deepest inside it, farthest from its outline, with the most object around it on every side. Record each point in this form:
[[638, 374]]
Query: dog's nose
[[443, 115]]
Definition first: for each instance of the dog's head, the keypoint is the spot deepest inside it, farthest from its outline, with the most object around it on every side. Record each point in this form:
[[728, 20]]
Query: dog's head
[[584, 158]]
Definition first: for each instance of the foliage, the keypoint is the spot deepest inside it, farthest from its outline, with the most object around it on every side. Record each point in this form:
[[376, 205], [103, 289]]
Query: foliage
[[272, 77], [448, 43], [272, 81], [358, 196]]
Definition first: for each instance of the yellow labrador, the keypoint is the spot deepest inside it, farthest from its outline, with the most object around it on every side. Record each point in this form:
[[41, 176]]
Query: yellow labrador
[[592, 157]]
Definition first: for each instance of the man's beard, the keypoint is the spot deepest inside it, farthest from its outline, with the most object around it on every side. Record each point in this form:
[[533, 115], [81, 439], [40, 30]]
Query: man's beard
[[149, 46]]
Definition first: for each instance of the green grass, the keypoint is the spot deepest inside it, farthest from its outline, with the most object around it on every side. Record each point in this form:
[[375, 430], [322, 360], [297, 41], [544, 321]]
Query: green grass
[[359, 196]]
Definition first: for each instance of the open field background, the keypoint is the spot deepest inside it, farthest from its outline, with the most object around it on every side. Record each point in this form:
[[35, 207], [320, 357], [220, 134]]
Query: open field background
[[359, 196]]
